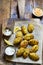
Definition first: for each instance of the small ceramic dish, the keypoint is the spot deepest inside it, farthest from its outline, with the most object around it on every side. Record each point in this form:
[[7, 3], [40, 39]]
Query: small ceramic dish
[[38, 12], [7, 32], [9, 51]]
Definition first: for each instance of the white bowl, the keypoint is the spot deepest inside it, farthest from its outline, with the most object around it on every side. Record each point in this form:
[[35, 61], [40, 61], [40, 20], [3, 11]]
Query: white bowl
[[39, 10], [7, 32], [9, 51]]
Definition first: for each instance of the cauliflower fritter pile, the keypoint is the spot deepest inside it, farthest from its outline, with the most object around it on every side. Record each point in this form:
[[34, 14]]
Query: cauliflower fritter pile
[[24, 38]]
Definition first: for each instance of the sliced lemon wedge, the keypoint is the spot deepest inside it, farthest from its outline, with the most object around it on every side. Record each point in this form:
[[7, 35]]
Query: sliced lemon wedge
[[7, 42], [17, 28]]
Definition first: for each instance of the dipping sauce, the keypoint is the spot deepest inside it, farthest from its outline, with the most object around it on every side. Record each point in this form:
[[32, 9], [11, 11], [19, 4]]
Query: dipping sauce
[[7, 32], [9, 51], [38, 12]]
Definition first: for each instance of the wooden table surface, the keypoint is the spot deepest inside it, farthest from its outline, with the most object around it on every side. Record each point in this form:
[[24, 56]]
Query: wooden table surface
[[5, 14]]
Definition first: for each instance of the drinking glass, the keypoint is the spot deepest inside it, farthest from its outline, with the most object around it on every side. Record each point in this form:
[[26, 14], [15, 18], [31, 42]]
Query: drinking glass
[[21, 6], [28, 9]]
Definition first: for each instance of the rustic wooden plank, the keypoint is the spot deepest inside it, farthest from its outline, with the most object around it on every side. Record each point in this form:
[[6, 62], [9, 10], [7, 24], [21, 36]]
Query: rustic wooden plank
[[6, 9]]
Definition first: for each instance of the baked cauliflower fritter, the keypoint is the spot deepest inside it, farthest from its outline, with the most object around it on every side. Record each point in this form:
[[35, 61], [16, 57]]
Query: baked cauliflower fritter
[[33, 42], [34, 48], [24, 30], [28, 36], [34, 56], [30, 28], [26, 52], [24, 43], [17, 40], [19, 34], [20, 52]]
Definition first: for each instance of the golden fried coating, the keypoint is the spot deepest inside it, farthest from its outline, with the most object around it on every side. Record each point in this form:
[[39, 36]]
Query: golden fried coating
[[24, 43], [28, 36], [34, 56], [17, 40], [19, 34], [20, 52], [33, 42], [26, 53], [30, 28], [24, 30], [34, 48]]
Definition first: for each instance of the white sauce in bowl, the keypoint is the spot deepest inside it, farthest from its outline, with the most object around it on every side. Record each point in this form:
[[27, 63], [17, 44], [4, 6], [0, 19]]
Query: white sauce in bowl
[[7, 32], [9, 51]]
